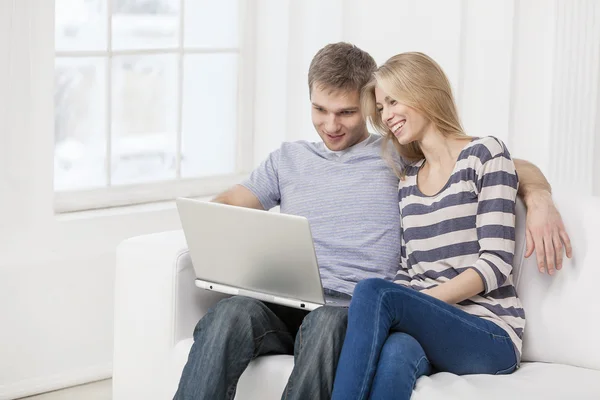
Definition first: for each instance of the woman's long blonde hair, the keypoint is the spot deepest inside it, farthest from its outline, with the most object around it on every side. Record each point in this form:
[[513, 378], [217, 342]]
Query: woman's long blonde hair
[[417, 81]]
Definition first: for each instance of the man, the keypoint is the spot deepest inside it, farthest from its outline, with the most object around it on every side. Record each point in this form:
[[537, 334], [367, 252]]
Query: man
[[349, 195]]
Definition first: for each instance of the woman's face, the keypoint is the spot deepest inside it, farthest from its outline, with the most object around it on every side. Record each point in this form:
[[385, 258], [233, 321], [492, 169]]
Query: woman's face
[[406, 123]]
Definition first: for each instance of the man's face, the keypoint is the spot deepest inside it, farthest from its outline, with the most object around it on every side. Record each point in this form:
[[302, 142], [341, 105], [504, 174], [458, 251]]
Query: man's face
[[337, 118]]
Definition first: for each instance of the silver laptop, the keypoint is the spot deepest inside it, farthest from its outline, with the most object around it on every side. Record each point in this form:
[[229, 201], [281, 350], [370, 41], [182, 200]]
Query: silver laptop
[[265, 255]]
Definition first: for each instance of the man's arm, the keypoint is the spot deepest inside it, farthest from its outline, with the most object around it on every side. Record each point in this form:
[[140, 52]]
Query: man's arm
[[545, 231], [260, 190], [239, 196], [531, 180]]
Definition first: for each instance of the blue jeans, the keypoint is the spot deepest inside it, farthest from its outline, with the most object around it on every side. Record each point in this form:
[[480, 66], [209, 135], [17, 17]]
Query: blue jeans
[[397, 334], [239, 329]]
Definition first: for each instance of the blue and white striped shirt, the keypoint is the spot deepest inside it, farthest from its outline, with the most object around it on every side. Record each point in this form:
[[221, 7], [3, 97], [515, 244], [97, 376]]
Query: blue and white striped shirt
[[470, 223]]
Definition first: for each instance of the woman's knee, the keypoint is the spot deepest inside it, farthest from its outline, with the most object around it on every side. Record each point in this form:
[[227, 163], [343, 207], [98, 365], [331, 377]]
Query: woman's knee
[[402, 361], [368, 287], [402, 351], [401, 345]]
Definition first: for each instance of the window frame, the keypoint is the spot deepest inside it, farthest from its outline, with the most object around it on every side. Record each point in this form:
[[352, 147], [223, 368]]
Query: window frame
[[131, 194]]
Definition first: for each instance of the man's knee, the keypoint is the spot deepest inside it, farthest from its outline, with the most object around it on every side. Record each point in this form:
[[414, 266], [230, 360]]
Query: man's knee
[[326, 322], [233, 314], [320, 340], [240, 305]]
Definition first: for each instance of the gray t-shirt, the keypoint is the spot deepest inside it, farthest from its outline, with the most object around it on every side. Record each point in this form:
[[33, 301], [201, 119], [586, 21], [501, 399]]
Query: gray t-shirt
[[350, 200]]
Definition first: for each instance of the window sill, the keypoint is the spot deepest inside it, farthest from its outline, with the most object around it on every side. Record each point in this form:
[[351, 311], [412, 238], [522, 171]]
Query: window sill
[[116, 211], [139, 197]]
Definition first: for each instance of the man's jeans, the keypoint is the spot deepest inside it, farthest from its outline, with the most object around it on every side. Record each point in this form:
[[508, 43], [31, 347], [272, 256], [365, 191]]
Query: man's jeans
[[239, 329], [397, 334]]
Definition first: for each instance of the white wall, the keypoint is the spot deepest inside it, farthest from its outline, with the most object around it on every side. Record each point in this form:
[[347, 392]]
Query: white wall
[[532, 76], [526, 71], [57, 273], [556, 87], [312, 24], [596, 190], [472, 40]]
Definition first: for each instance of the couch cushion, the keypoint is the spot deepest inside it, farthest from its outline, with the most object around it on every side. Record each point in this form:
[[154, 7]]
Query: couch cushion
[[531, 381], [563, 324], [266, 377]]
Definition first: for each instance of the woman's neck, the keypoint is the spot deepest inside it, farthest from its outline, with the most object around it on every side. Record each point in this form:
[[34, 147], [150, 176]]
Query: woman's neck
[[439, 150]]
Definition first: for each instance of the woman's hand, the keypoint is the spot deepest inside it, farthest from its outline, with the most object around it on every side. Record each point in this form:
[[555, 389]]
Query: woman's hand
[[464, 286]]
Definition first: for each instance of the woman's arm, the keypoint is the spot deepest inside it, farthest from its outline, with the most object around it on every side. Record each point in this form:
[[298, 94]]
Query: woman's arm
[[496, 187], [462, 287]]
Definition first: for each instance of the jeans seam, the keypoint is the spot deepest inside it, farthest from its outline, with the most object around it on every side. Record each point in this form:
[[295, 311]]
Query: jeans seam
[[372, 356], [230, 389], [266, 333], [261, 337], [414, 380], [502, 371], [452, 314], [289, 385]]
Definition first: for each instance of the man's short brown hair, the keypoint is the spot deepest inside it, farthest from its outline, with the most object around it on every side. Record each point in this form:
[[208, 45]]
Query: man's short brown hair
[[341, 66]]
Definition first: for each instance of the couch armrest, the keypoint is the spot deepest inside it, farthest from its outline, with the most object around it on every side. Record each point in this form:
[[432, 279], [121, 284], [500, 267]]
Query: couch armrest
[[156, 305]]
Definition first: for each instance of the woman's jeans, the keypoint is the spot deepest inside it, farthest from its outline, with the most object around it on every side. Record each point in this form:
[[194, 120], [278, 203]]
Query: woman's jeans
[[397, 334]]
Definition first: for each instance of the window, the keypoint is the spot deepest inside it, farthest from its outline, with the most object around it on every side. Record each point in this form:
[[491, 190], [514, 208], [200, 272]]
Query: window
[[149, 99]]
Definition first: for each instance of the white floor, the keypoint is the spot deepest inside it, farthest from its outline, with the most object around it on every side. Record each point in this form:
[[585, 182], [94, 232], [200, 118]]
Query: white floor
[[101, 390]]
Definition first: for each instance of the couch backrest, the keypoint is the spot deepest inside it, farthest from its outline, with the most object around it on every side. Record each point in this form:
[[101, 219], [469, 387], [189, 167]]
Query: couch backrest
[[563, 311]]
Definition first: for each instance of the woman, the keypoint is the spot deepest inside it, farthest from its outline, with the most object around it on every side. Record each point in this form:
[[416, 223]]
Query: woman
[[453, 306]]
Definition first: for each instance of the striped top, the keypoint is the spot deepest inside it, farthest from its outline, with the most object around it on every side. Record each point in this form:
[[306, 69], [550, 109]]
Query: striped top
[[470, 223], [350, 199]]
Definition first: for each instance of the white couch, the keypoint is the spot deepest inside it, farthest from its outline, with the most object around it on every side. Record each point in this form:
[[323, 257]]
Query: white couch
[[157, 307]]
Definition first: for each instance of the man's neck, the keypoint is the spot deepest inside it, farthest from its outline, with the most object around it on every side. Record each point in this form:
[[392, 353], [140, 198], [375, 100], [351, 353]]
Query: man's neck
[[362, 139]]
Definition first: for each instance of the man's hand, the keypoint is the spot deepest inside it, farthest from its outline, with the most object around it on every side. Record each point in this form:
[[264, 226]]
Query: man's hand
[[546, 233]]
